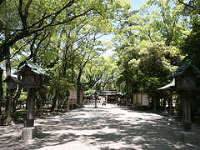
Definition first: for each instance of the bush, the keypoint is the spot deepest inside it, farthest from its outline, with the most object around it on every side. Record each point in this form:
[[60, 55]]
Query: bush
[[21, 113], [75, 106], [3, 116], [3, 119]]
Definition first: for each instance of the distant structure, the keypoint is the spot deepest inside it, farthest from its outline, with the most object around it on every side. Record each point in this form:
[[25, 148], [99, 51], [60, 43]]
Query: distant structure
[[110, 95]]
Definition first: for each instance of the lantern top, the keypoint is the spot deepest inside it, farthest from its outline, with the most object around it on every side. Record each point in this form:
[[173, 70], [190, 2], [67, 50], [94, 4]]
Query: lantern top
[[33, 67], [183, 68]]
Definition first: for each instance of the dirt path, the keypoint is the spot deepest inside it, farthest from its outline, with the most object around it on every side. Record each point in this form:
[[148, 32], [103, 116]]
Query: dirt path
[[107, 128]]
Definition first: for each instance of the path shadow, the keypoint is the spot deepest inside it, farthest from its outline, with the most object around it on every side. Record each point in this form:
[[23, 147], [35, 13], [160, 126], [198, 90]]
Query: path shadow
[[121, 130]]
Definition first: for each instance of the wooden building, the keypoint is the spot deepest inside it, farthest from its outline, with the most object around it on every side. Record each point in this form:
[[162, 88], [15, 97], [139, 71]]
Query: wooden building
[[110, 95], [140, 100]]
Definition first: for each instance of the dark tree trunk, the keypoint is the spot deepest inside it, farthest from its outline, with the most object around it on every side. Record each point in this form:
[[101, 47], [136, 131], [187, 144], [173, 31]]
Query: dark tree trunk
[[154, 105], [64, 61], [16, 97], [38, 103], [54, 102], [164, 104], [79, 88], [1, 89], [170, 104]]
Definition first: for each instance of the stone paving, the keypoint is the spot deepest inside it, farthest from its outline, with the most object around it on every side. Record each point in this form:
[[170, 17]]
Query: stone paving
[[105, 128]]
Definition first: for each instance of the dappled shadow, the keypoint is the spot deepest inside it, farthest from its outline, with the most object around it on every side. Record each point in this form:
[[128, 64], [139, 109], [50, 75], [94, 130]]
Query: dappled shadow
[[10, 137], [113, 128]]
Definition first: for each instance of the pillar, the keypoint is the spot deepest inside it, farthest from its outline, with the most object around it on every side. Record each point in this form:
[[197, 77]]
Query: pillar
[[187, 113]]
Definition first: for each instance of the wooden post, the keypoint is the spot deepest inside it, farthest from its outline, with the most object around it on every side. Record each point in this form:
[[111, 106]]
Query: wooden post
[[95, 96], [187, 110], [30, 108], [187, 113]]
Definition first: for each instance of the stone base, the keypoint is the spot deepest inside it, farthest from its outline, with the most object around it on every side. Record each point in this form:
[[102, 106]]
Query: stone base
[[27, 135]]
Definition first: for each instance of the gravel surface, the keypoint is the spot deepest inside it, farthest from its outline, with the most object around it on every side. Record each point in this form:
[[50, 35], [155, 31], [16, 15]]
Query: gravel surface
[[104, 128]]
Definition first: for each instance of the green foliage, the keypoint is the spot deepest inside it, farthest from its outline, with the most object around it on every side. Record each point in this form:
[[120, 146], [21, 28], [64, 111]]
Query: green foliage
[[100, 74], [192, 43], [147, 45], [89, 92], [3, 117], [20, 113], [74, 106], [22, 97]]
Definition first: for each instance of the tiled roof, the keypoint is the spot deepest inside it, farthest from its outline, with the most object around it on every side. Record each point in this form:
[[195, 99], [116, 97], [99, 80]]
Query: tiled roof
[[35, 68], [182, 69]]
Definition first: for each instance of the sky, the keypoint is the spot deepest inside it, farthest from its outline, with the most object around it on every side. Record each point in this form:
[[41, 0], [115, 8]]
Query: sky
[[135, 4]]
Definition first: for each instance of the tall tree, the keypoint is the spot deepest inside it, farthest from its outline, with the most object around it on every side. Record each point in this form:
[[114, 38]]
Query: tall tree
[[1, 89]]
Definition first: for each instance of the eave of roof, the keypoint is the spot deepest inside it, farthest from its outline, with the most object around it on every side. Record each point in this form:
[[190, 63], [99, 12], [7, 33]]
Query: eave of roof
[[35, 68], [168, 86]]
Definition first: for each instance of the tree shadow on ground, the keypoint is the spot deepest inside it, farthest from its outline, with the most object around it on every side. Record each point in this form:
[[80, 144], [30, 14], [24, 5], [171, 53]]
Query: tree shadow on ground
[[106, 130]]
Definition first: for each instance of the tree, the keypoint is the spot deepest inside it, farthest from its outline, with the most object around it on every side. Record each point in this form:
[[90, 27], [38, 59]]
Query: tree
[[1, 88], [190, 45], [29, 22]]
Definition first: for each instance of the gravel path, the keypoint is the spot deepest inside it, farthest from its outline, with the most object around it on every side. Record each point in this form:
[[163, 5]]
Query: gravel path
[[105, 128]]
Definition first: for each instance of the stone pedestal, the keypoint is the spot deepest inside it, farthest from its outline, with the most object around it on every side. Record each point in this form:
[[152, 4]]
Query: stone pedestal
[[27, 135]]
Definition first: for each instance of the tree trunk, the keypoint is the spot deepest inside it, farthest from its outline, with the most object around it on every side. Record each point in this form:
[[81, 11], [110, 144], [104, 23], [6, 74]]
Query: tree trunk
[[9, 94], [79, 87], [78, 94], [170, 104], [54, 102], [17, 97], [155, 104], [1, 89]]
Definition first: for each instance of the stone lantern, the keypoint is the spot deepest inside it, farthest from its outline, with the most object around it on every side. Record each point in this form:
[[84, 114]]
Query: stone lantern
[[186, 85], [32, 78]]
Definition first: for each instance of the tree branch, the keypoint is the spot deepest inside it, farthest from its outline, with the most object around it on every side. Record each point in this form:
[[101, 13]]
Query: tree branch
[[22, 17], [26, 33], [27, 9], [181, 2], [54, 14]]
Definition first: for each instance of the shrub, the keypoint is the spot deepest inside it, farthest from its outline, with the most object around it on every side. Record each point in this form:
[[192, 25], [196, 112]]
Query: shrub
[[2, 119], [21, 113]]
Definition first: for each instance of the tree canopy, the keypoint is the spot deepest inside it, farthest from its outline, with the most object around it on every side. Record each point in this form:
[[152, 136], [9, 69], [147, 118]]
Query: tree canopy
[[65, 37]]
